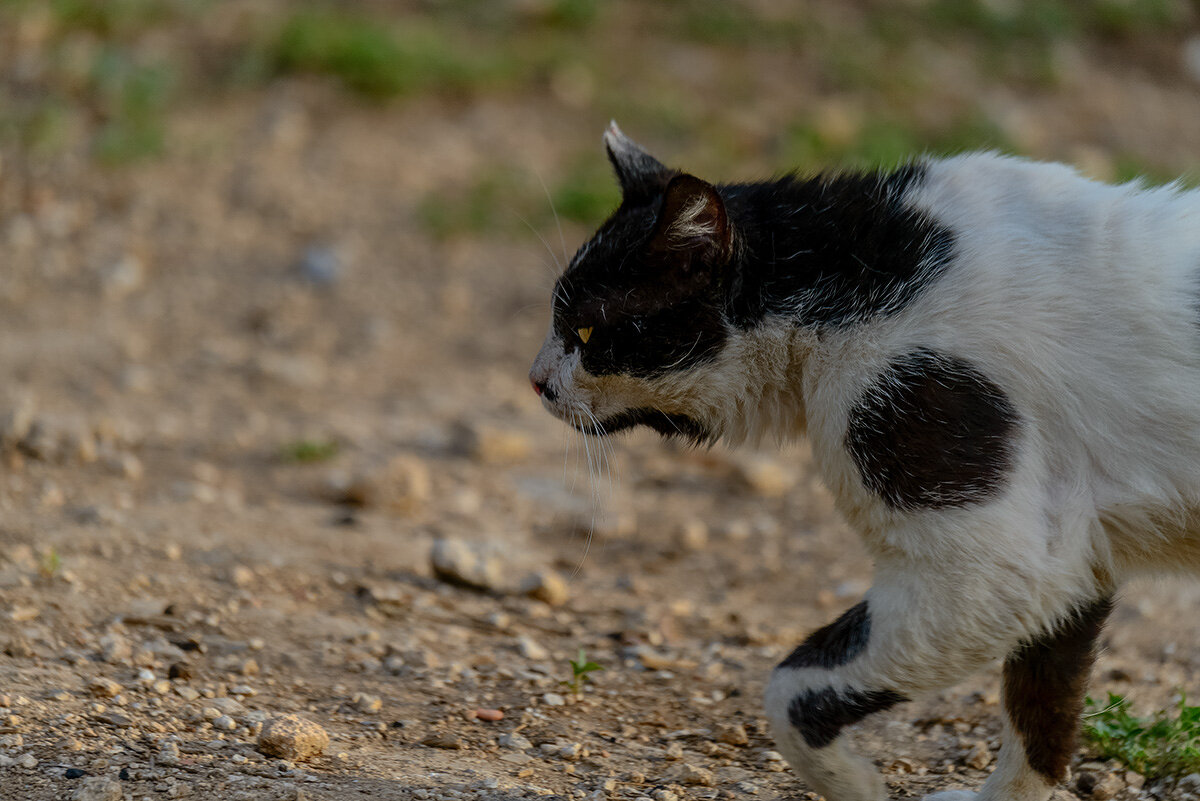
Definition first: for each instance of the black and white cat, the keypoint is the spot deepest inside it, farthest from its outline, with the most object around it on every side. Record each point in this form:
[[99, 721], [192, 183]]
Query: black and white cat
[[998, 365]]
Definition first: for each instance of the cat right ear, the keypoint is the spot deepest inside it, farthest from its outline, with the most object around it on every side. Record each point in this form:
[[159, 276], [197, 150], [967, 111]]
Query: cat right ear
[[693, 228], [641, 175]]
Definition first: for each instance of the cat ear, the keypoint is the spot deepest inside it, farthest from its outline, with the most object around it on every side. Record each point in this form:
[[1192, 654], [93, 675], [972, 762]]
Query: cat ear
[[641, 175], [692, 226]]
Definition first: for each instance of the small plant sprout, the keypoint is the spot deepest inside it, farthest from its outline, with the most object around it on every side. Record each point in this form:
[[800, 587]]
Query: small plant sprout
[[50, 563], [1158, 746], [580, 668]]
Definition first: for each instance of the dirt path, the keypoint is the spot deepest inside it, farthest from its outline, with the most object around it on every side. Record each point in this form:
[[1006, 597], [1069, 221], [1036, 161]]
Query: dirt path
[[246, 393]]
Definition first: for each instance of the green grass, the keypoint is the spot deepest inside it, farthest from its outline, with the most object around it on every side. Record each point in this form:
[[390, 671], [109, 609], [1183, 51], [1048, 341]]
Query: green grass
[[502, 200], [1127, 167], [1054, 20], [1162, 745], [380, 60], [132, 99], [588, 192], [110, 19], [887, 142], [719, 22], [309, 450], [495, 200]]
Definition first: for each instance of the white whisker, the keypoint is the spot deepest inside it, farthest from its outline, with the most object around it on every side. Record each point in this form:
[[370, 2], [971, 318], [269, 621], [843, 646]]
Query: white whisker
[[549, 199]]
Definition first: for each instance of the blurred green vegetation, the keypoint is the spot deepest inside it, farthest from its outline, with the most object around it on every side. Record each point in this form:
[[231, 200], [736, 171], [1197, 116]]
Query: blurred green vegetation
[[503, 200], [380, 62], [108, 75], [309, 450]]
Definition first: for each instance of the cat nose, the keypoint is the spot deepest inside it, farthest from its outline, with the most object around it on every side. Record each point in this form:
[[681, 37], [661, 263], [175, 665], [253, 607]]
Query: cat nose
[[544, 390], [542, 387]]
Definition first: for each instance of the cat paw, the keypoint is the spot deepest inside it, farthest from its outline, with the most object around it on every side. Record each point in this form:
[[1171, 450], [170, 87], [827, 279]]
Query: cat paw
[[951, 795]]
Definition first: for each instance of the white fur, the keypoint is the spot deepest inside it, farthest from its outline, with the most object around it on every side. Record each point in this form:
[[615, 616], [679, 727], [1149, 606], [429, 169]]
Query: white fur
[[1082, 301]]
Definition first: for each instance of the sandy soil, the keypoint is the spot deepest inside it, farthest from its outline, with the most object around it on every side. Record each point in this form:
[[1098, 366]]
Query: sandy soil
[[163, 346]]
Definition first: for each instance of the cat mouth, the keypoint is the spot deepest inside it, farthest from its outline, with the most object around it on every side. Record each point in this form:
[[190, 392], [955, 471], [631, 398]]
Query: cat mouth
[[667, 424]]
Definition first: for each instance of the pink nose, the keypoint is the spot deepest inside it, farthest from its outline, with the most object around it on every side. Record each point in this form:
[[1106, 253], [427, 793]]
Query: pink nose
[[538, 388]]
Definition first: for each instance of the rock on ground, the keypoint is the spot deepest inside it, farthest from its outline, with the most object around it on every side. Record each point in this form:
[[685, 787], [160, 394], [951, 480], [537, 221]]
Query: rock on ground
[[99, 788], [456, 562], [292, 737]]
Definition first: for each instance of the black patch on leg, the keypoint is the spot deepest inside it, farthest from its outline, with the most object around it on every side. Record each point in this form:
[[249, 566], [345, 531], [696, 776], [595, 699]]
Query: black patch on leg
[[820, 715], [933, 432], [1044, 683], [835, 644]]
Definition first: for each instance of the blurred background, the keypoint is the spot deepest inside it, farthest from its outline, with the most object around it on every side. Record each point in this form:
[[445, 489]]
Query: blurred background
[[271, 277]]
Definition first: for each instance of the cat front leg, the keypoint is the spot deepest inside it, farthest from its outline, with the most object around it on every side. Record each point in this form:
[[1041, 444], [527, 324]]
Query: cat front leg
[[910, 637], [810, 699], [919, 629]]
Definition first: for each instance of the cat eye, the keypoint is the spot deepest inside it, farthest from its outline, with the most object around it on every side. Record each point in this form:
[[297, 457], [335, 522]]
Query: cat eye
[[584, 334]]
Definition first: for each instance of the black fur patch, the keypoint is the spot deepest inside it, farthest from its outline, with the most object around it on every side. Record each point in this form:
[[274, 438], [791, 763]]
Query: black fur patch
[[826, 252], [835, 644], [646, 318], [1044, 683], [669, 425], [820, 715], [932, 433], [834, 250]]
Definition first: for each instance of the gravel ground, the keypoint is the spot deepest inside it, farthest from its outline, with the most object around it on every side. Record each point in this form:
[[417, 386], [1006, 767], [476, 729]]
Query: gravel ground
[[174, 584]]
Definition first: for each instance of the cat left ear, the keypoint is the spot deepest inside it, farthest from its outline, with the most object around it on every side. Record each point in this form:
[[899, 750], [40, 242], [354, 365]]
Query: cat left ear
[[641, 175], [693, 226]]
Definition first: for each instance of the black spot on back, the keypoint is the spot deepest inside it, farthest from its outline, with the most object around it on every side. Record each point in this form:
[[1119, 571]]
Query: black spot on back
[[834, 250], [932, 432], [820, 715], [836, 644], [1044, 683]]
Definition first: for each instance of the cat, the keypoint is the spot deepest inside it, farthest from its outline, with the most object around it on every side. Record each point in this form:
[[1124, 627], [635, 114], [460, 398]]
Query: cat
[[997, 364]]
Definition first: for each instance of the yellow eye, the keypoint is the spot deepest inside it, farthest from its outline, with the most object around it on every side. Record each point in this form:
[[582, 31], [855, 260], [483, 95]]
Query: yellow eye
[[584, 334]]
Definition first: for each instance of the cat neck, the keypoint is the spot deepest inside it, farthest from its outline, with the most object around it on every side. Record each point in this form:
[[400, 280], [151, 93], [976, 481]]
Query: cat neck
[[765, 366]]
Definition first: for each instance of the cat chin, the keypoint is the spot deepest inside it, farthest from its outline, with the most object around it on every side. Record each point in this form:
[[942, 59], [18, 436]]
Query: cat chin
[[667, 424]]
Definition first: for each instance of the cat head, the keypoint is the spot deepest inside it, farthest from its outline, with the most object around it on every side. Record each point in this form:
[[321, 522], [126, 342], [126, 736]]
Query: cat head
[[639, 316]]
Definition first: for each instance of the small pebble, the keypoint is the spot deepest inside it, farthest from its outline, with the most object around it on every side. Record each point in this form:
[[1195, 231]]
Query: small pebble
[[115, 719], [224, 723], [733, 735], [515, 741], [547, 587], [320, 265], [103, 687], [531, 650], [292, 737], [553, 699], [443, 740], [467, 565], [489, 715], [694, 775], [99, 788], [977, 756], [367, 704]]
